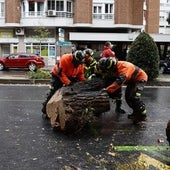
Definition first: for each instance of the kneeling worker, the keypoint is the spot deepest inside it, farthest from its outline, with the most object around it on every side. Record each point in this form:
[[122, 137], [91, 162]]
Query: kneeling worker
[[69, 70], [135, 79]]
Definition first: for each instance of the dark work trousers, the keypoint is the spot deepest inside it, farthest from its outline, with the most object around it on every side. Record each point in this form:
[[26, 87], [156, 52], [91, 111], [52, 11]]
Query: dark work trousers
[[56, 84], [117, 95], [133, 96]]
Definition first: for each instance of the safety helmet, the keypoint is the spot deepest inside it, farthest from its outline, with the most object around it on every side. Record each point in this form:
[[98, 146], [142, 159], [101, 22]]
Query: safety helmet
[[89, 52], [107, 63], [79, 56]]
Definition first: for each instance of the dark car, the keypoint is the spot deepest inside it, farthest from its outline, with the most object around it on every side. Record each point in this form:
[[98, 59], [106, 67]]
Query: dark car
[[165, 65], [21, 60]]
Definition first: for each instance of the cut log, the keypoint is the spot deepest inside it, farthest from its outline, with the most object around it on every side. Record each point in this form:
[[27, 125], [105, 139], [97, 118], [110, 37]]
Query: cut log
[[72, 107]]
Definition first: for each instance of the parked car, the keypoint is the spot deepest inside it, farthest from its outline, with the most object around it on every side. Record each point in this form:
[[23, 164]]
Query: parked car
[[21, 60], [165, 65]]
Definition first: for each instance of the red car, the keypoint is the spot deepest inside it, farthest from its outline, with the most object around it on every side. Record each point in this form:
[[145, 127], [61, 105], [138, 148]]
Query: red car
[[22, 60]]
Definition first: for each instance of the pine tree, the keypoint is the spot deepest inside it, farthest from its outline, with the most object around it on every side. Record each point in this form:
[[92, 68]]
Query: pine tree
[[144, 53]]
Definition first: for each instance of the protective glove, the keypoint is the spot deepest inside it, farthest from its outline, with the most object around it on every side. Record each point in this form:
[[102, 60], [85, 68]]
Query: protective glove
[[91, 76], [70, 84]]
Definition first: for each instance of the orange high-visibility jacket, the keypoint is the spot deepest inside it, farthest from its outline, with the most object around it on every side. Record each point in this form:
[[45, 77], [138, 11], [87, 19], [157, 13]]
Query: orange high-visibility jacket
[[68, 69], [127, 70], [107, 52]]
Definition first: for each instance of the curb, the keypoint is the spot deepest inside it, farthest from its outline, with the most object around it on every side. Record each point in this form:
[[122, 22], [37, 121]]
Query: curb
[[24, 81], [47, 81], [158, 83]]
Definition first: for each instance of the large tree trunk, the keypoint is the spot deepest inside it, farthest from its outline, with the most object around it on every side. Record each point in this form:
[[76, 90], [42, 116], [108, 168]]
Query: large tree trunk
[[71, 107]]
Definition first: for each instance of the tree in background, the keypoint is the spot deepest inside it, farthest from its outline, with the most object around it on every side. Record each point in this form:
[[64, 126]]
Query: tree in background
[[41, 34], [144, 53]]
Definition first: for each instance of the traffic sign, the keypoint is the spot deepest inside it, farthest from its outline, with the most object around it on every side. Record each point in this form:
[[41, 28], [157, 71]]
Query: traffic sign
[[61, 34], [64, 43]]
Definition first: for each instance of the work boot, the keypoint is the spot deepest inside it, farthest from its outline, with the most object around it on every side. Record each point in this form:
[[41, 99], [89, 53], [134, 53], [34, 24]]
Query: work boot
[[118, 107], [137, 117], [44, 115]]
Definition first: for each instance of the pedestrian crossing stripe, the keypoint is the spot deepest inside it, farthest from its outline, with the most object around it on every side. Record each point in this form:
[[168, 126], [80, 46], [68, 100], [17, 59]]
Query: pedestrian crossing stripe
[[143, 158]]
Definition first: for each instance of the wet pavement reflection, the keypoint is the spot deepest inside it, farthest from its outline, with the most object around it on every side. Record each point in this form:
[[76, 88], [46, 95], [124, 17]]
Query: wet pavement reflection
[[29, 142]]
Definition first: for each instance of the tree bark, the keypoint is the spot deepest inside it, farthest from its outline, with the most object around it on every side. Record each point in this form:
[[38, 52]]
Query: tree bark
[[72, 107]]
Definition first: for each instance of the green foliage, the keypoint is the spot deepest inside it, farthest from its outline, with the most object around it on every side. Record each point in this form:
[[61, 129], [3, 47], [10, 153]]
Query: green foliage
[[144, 53], [41, 34], [39, 74]]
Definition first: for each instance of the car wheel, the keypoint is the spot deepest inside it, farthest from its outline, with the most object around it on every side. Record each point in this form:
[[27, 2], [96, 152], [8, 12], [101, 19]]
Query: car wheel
[[162, 70], [1, 66], [32, 67]]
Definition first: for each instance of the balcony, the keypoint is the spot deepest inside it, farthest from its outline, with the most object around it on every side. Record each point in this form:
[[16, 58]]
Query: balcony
[[49, 18], [103, 20]]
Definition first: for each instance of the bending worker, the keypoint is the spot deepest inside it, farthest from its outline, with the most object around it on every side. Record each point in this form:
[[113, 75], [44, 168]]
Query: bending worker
[[69, 70], [89, 64], [107, 52], [135, 78]]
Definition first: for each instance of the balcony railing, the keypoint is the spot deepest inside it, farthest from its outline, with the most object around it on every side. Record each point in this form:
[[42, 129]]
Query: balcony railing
[[103, 16], [2, 14], [31, 14]]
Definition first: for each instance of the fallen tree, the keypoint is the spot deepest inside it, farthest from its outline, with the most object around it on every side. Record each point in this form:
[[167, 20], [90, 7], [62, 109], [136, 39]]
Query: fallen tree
[[72, 107]]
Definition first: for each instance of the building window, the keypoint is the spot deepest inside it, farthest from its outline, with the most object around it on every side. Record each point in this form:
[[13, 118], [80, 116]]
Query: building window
[[108, 8], [97, 9], [97, 12], [43, 49], [69, 6], [59, 6], [31, 6], [51, 5], [40, 7], [35, 8], [103, 11], [2, 11]]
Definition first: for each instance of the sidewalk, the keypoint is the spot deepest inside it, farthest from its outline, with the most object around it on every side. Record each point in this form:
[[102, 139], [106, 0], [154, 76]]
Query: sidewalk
[[22, 78]]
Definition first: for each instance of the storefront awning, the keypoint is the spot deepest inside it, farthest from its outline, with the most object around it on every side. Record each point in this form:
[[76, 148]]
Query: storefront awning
[[84, 36], [124, 37]]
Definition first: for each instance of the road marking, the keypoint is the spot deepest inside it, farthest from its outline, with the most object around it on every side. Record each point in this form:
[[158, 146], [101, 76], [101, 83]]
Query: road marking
[[146, 159], [143, 158], [142, 148]]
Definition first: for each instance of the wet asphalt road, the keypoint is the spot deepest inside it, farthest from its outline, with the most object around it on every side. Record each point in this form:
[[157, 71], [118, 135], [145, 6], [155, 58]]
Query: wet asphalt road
[[28, 142]]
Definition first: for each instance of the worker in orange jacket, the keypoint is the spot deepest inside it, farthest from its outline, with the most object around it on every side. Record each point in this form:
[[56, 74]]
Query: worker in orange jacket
[[107, 52], [135, 79], [70, 69]]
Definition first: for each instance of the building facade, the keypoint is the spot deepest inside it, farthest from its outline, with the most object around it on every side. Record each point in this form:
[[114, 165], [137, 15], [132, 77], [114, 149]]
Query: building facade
[[84, 23]]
